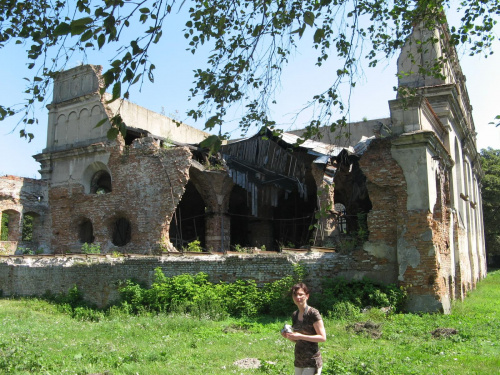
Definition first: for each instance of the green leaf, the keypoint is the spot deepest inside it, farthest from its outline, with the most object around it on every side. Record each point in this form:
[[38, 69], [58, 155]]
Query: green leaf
[[117, 90], [157, 37], [82, 21], [212, 142], [319, 35], [150, 73], [77, 29], [86, 35], [100, 123], [112, 133], [309, 18], [62, 29], [101, 40]]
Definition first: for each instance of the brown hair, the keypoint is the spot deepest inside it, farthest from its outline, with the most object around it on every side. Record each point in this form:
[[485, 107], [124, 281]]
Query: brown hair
[[298, 286]]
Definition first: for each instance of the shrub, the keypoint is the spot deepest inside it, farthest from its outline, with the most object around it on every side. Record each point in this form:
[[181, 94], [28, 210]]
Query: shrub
[[276, 298], [360, 293], [91, 249], [344, 310], [242, 298], [194, 246], [132, 296]]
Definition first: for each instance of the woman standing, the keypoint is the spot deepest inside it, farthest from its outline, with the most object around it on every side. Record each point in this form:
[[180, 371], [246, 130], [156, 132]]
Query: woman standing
[[308, 330]]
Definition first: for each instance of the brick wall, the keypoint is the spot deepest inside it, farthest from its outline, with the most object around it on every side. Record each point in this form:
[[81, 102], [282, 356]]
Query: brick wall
[[147, 185], [20, 196], [421, 238], [97, 275]]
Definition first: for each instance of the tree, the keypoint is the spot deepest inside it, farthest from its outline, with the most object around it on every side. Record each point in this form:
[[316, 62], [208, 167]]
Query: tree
[[490, 162], [251, 42]]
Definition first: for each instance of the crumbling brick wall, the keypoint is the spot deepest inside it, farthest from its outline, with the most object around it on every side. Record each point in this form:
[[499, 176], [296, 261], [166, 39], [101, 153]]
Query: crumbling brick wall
[[418, 238], [19, 197], [98, 277], [147, 184]]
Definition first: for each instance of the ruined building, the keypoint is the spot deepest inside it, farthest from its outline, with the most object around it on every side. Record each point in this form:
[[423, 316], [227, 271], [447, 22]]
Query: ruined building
[[400, 203]]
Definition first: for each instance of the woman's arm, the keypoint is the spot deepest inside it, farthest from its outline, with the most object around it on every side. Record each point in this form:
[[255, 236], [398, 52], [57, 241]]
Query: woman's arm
[[320, 335]]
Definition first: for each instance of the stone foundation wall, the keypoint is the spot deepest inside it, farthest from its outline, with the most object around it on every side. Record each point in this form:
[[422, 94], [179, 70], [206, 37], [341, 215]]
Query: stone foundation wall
[[98, 276]]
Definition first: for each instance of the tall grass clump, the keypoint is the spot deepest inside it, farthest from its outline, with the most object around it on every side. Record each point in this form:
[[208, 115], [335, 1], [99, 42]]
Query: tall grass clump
[[74, 304]]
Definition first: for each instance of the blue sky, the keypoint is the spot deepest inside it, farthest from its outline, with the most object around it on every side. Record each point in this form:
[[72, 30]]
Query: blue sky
[[301, 80]]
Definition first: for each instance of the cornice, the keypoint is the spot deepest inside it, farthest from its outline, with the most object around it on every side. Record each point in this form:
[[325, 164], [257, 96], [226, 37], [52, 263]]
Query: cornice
[[427, 139]]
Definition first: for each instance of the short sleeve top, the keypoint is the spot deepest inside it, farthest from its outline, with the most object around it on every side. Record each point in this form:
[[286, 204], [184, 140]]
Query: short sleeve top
[[307, 353]]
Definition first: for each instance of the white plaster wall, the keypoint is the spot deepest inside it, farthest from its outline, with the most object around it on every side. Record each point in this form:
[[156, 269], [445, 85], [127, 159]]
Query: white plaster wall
[[416, 166], [429, 53], [159, 125], [72, 170], [75, 123]]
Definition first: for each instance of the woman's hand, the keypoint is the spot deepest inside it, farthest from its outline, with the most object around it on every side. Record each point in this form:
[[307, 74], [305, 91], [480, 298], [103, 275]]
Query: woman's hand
[[292, 336], [320, 335]]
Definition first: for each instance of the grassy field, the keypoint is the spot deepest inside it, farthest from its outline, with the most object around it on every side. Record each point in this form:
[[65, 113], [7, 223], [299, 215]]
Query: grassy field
[[36, 338]]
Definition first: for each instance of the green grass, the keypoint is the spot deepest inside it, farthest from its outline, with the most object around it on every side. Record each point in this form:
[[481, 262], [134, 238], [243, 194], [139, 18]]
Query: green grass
[[36, 338]]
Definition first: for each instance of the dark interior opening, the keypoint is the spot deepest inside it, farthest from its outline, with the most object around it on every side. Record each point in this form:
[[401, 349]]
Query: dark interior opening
[[101, 183], [122, 232], [293, 219], [240, 217], [188, 222], [86, 231]]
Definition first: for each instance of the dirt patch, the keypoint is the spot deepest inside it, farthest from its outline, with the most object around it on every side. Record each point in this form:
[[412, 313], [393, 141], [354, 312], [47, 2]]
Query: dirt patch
[[443, 332], [367, 328], [235, 328], [247, 363]]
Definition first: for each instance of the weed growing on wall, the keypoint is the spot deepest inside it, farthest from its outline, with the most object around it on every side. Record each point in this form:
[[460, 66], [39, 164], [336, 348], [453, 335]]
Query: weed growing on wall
[[194, 246], [91, 248]]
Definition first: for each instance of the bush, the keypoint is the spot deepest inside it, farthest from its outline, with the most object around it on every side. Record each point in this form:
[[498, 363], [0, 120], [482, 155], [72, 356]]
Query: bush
[[197, 296], [242, 298], [361, 293], [91, 248], [344, 310], [276, 297]]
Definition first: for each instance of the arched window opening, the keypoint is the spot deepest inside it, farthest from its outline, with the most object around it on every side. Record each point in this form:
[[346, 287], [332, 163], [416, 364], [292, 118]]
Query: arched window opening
[[86, 231], [9, 229], [101, 183], [122, 232], [30, 226], [4, 236]]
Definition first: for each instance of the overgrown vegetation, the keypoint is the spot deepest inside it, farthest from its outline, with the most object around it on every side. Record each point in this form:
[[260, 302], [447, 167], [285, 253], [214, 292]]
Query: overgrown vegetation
[[490, 161], [194, 246], [198, 297], [92, 248], [4, 228], [38, 337], [27, 233]]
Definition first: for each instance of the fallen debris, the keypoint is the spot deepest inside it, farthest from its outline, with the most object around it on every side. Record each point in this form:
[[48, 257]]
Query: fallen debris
[[368, 328], [247, 363], [443, 332]]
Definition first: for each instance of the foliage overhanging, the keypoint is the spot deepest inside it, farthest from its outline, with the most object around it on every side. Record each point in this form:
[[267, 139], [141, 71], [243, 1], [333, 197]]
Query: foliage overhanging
[[251, 43]]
